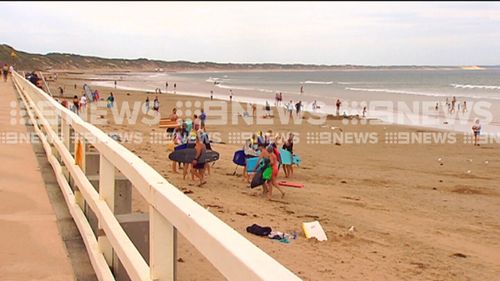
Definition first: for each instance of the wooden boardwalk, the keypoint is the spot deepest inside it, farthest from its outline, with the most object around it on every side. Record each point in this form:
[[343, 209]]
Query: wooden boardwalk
[[31, 247]]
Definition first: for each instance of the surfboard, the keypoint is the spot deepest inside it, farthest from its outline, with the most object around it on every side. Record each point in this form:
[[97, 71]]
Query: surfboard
[[88, 92], [187, 156], [290, 184]]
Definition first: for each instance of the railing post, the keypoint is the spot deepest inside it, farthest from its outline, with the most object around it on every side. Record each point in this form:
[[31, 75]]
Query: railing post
[[106, 193], [162, 247], [65, 131]]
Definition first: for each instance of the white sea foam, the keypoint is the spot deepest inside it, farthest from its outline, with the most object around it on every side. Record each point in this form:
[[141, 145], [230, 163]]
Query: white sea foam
[[403, 92], [222, 86], [318, 82], [466, 86], [213, 79], [353, 83]]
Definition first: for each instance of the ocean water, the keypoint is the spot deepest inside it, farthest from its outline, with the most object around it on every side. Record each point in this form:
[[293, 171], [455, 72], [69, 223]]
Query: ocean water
[[408, 93]]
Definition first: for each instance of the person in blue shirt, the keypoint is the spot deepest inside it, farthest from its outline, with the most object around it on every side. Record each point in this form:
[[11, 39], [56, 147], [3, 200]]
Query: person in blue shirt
[[203, 117]]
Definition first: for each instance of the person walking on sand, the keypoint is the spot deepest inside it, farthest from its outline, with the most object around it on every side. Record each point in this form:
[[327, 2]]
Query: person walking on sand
[[211, 95], [166, 87], [476, 129], [268, 109], [175, 87], [203, 118], [288, 145], [230, 95], [173, 116], [290, 108], [111, 100], [464, 108], [364, 112], [5, 72], [83, 103], [156, 104], [254, 110], [298, 106], [146, 104], [198, 165], [115, 84], [270, 162], [338, 104], [76, 105]]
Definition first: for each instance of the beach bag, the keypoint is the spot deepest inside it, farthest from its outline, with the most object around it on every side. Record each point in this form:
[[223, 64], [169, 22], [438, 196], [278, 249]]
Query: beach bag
[[257, 179], [267, 174]]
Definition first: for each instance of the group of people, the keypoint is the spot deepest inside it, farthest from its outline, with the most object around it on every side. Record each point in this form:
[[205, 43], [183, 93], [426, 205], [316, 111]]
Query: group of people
[[166, 87], [290, 107], [193, 135], [452, 104], [266, 147], [79, 104], [156, 105], [34, 79]]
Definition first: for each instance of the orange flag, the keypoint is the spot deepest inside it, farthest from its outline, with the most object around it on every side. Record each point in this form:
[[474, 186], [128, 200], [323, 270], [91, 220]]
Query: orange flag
[[79, 154]]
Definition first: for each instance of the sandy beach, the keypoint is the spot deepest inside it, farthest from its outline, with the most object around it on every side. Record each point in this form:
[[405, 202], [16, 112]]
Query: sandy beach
[[419, 211]]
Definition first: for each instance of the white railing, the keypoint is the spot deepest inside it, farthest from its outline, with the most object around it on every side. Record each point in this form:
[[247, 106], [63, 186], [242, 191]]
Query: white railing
[[169, 209]]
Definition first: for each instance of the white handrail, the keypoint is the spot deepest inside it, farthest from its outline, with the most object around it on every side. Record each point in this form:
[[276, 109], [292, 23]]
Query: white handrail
[[233, 255]]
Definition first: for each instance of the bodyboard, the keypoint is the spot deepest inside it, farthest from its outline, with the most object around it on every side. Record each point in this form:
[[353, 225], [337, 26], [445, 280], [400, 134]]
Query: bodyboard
[[250, 164], [286, 157], [296, 160], [257, 179], [187, 156], [290, 184], [239, 158]]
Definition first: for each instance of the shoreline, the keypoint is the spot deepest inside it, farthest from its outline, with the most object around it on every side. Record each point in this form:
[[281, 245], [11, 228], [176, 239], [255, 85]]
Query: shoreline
[[443, 122]]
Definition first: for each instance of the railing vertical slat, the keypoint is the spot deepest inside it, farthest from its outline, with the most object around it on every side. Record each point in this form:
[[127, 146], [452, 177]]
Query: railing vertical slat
[[162, 247], [106, 193]]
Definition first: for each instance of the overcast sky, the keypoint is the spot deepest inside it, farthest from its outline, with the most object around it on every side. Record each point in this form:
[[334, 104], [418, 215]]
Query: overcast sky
[[382, 33]]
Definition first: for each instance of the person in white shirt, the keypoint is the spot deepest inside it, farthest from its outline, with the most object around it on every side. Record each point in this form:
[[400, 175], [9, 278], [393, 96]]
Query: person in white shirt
[[83, 102]]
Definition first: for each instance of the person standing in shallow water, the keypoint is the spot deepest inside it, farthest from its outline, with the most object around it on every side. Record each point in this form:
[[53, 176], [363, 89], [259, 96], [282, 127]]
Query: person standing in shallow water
[[175, 87]]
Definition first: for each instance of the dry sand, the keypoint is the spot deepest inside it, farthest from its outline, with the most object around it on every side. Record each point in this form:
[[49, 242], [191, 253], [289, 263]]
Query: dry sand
[[415, 218]]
